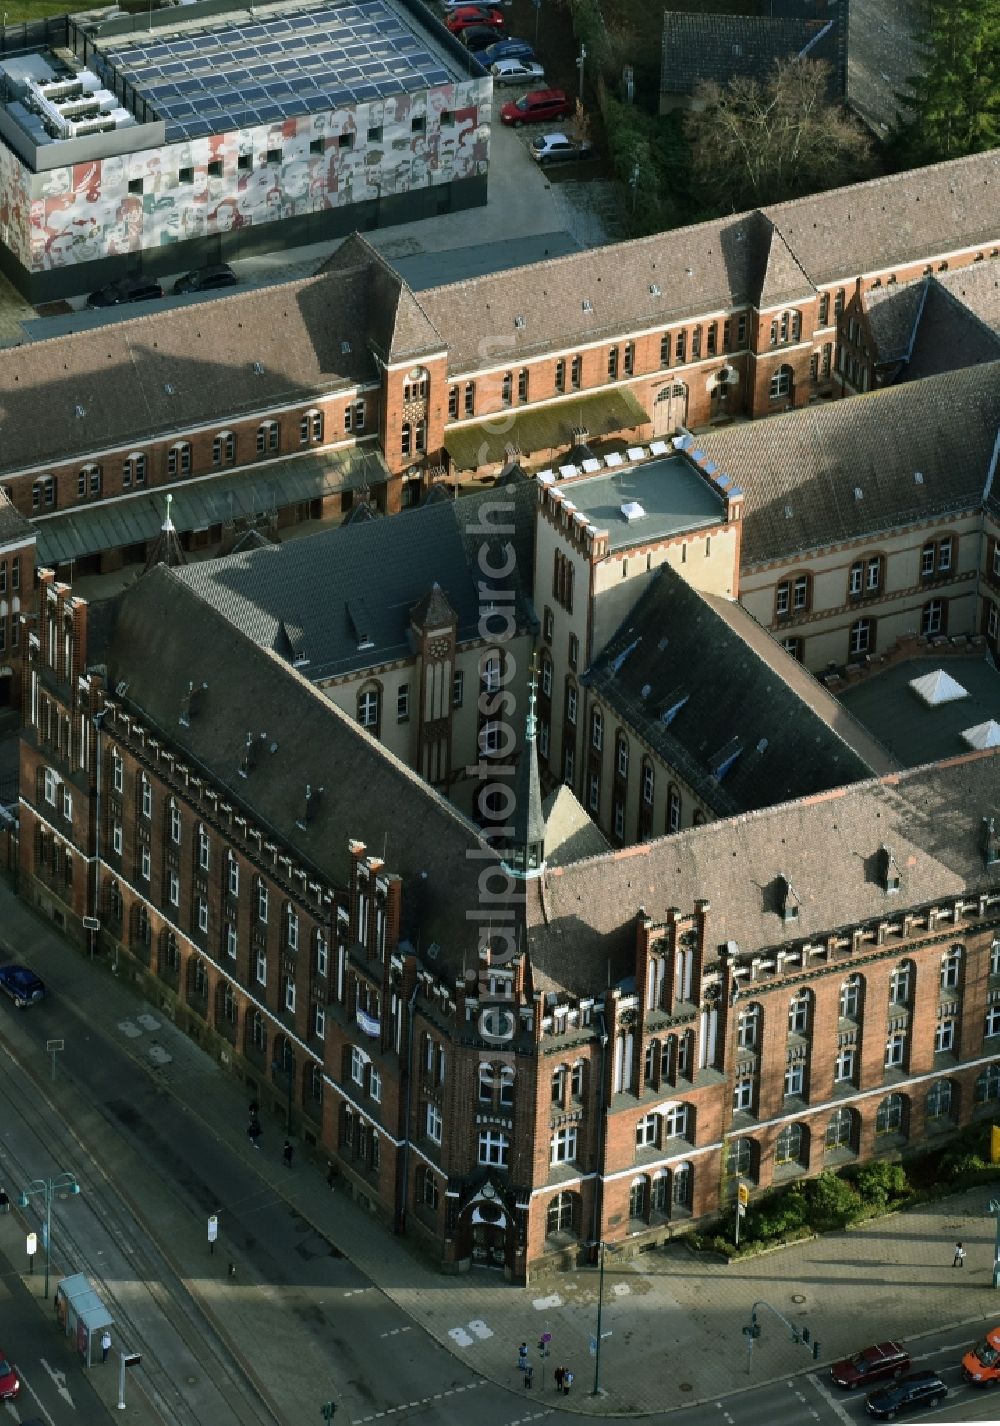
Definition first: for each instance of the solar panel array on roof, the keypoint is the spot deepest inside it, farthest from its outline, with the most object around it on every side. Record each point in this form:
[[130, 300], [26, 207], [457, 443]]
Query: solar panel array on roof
[[235, 76]]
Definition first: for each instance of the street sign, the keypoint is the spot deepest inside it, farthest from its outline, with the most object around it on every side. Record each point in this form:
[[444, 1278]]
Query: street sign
[[32, 1244], [546, 1337], [132, 1359], [91, 923], [743, 1194], [51, 1045], [213, 1228]]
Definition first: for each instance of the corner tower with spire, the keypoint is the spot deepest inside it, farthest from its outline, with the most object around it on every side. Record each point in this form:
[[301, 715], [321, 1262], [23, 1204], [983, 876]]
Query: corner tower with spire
[[524, 855]]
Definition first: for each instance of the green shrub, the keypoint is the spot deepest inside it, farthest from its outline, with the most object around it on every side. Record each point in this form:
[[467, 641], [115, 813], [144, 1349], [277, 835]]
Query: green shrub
[[879, 1184], [776, 1216], [832, 1203], [961, 1165]]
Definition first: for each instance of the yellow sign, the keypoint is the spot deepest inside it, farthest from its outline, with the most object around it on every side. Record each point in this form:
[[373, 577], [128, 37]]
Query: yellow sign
[[995, 1144], [744, 1194]]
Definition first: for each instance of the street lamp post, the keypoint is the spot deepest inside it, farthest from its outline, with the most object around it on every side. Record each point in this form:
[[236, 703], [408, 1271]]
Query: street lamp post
[[600, 1309], [48, 1187], [580, 62]]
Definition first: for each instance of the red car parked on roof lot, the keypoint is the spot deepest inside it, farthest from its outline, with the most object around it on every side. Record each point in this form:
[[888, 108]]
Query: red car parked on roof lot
[[536, 106], [883, 1360], [470, 15]]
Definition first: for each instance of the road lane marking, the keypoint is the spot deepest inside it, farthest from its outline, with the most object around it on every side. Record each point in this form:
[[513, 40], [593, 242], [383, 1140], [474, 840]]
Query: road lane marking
[[38, 1402], [396, 1332], [832, 1401], [59, 1382], [412, 1405]]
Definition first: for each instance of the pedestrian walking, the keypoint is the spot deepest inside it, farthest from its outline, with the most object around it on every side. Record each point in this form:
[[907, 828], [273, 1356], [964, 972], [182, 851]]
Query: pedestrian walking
[[232, 1271], [567, 1382], [959, 1259], [254, 1109], [522, 1357], [286, 1153], [105, 1345], [254, 1132], [558, 1374], [331, 1176]]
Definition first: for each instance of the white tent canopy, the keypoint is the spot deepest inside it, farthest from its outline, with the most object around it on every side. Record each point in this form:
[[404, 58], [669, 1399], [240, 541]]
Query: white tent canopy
[[937, 687], [983, 735]]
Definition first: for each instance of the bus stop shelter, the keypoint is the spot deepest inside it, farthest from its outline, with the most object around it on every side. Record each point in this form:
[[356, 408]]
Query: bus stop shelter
[[81, 1312]]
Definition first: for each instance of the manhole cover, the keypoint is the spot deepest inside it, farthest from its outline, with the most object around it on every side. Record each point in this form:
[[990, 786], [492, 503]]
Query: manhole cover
[[798, 1297]]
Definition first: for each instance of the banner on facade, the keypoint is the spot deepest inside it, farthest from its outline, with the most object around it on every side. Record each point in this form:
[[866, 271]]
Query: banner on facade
[[368, 1024]]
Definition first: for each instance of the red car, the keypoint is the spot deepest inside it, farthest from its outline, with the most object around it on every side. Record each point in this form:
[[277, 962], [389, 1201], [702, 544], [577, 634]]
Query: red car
[[884, 1359], [469, 15], [10, 1382], [535, 106]]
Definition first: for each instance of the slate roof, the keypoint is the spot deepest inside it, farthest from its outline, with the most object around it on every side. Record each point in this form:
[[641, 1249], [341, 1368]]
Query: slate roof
[[14, 528], [119, 384], [581, 917], [570, 833], [716, 49], [928, 326], [976, 287], [800, 471], [719, 264], [740, 695], [398, 327], [310, 597], [159, 637]]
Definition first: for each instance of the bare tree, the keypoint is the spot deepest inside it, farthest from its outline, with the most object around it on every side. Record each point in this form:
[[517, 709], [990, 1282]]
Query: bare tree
[[755, 142]]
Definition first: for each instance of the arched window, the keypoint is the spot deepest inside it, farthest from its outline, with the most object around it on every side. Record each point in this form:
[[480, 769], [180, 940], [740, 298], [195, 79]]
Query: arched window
[[43, 493], [901, 983], [197, 977], [988, 1085], [951, 968], [648, 777], [133, 470], [683, 1188], [659, 1194], [840, 1130], [89, 480], [790, 1146], [798, 1013], [939, 1099], [228, 1006], [369, 708], [258, 1031], [739, 1158], [291, 927], [638, 1198], [781, 383], [268, 437], [179, 459], [674, 809], [562, 1214], [850, 998], [889, 1116], [311, 428], [676, 1120], [224, 448]]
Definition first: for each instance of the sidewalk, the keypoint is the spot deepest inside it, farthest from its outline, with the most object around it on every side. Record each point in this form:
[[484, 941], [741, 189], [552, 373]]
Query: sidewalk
[[675, 1319]]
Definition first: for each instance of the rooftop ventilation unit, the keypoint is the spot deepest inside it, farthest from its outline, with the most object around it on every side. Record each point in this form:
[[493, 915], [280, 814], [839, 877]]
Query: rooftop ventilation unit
[[632, 511]]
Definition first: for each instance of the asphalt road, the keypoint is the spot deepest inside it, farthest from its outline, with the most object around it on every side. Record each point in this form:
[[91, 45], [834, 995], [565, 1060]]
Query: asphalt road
[[385, 1367]]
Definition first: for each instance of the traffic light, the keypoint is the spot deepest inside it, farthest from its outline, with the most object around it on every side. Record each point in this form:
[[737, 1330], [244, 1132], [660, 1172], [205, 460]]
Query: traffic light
[[795, 1336], [815, 1351], [806, 1335]]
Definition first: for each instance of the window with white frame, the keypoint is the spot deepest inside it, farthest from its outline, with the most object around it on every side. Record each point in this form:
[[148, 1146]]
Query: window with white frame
[[939, 1098], [992, 1026], [564, 1145], [290, 993], [375, 1085], [261, 967], [951, 968], [743, 1093], [117, 838], [798, 1013], [675, 1121], [319, 1021], [850, 998], [117, 770], [843, 1069], [232, 941], [995, 957], [795, 1074], [67, 803], [322, 953], [173, 888], [232, 874], [748, 1027], [647, 1131], [50, 786], [145, 863], [291, 928], [175, 822], [261, 900], [494, 1149], [145, 796], [204, 848], [434, 1124], [202, 911], [895, 1049], [945, 1035], [899, 984], [359, 1061]]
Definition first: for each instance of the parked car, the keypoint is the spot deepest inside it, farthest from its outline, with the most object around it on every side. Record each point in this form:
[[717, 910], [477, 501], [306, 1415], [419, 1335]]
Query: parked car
[[884, 1359], [206, 279], [913, 1392], [981, 1363], [557, 148], [477, 39], [125, 289], [22, 985], [506, 49], [536, 107], [517, 71], [451, 5], [10, 1381], [469, 15]]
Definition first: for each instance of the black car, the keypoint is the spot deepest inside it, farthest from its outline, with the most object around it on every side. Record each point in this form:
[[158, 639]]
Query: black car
[[913, 1392], [125, 289], [206, 279], [479, 37], [22, 985]]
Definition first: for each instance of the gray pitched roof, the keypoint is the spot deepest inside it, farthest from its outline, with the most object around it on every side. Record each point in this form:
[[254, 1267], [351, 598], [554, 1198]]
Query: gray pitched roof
[[702, 683], [570, 833], [119, 384], [398, 327], [159, 637], [893, 313], [347, 593], [582, 916], [976, 287], [800, 471], [711, 266], [927, 325], [783, 279], [720, 48]]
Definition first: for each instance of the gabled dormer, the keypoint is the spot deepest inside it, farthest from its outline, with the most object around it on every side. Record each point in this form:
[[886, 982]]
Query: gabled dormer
[[788, 901], [989, 842], [889, 875]]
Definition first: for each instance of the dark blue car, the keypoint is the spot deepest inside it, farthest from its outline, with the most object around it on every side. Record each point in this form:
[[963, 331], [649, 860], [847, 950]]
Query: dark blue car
[[505, 49], [22, 985]]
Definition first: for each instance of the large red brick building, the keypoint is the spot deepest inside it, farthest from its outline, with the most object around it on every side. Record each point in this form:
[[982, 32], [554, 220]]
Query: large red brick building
[[510, 1045]]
